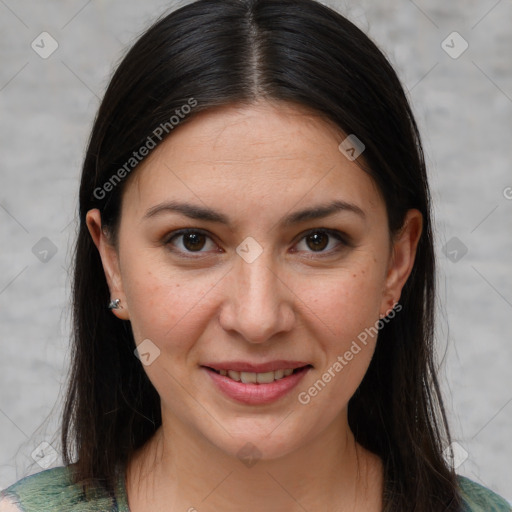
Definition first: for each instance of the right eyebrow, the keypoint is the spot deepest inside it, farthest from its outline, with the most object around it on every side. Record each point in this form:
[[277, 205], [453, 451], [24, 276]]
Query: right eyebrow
[[190, 210]]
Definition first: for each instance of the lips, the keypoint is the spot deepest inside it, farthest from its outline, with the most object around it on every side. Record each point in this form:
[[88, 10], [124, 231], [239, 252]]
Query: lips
[[256, 387]]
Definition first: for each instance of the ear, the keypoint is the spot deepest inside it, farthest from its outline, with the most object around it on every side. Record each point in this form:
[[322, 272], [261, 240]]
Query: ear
[[403, 253], [109, 260]]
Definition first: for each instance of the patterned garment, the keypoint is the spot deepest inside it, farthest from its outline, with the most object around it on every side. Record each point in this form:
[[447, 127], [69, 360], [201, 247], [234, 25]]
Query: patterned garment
[[52, 491]]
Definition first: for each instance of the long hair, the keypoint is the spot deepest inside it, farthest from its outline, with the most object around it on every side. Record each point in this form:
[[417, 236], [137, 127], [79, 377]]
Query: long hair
[[221, 52]]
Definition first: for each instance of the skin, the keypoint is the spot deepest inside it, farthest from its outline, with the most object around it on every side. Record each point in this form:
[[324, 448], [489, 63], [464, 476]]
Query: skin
[[255, 164]]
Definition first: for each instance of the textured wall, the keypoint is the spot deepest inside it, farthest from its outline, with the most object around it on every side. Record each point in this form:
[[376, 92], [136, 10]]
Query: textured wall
[[463, 101]]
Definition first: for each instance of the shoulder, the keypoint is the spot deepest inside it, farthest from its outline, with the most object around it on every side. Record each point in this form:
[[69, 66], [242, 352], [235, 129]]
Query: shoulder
[[478, 498], [53, 490]]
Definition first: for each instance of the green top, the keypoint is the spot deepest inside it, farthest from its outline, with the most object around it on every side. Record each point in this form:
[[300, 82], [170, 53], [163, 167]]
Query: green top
[[52, 491]]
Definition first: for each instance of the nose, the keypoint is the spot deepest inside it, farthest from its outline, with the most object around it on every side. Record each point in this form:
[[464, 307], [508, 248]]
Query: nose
[[258, 303]]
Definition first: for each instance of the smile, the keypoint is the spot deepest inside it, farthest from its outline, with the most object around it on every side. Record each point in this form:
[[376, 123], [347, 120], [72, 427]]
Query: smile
[[259, 378], [254, 388]]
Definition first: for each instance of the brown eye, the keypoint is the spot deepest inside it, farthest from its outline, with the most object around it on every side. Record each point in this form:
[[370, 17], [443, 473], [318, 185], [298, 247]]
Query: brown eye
[[317, 241], [193, 241], [323, 242], [190, 241]]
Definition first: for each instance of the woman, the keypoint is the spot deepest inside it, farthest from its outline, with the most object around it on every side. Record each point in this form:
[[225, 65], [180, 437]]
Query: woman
[[255, 213]]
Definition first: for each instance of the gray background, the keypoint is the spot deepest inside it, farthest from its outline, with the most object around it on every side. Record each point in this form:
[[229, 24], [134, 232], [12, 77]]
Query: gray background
[[463, 106]]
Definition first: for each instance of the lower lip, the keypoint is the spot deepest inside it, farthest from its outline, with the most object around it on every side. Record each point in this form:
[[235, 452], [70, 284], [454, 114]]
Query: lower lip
[[254, 394]]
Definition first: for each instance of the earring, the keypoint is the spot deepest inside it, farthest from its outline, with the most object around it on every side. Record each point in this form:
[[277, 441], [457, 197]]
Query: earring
[[114, 304]]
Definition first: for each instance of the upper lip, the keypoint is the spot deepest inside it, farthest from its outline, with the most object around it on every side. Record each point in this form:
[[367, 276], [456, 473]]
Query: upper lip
[[242, 366]]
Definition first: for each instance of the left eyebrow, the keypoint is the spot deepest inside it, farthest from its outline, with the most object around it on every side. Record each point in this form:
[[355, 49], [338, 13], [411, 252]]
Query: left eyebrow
[[207, 214], [321, 211]]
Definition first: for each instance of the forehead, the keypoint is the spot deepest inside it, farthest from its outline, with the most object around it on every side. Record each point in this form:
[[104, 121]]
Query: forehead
[[268, 153]]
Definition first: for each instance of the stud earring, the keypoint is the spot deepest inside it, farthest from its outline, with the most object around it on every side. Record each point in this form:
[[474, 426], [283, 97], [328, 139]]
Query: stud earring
[[114, 304]]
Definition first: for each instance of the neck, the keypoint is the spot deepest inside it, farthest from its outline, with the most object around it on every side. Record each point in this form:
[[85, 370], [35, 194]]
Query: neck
[[180, 470]]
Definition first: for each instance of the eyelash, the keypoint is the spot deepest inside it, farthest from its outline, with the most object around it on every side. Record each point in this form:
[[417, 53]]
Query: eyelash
[[343, 240]]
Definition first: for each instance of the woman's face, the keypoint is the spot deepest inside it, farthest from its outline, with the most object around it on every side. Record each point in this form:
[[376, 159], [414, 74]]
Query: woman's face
[[270, 272]]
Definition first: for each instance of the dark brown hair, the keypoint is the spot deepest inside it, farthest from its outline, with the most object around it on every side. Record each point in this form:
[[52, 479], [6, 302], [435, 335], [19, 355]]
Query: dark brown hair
[[222, 52]]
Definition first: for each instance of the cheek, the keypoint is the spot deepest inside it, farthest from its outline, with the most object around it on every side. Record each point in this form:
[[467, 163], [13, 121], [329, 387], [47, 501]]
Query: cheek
[[346, 311], [164, 306], [345, 303]]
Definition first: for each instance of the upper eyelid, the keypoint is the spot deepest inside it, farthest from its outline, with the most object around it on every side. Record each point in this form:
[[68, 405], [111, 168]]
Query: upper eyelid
[[339, 235], [181, 232]]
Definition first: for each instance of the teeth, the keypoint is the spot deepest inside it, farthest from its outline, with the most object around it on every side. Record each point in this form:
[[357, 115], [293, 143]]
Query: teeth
[[247, 377], [265, 378], [279, 374], [234, 375], [260, 378]]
